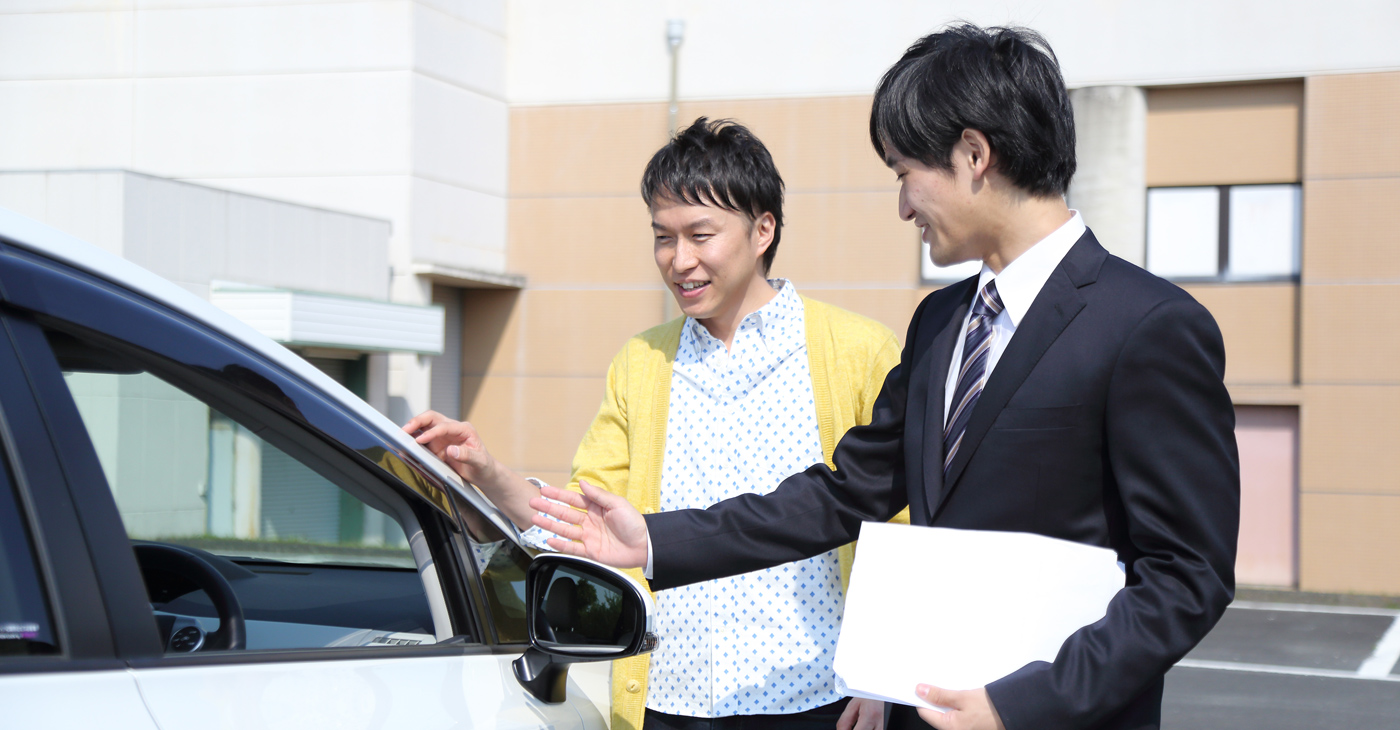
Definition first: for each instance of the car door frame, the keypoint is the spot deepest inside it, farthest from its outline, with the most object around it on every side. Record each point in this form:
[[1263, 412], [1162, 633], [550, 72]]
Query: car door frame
[[50, 293]]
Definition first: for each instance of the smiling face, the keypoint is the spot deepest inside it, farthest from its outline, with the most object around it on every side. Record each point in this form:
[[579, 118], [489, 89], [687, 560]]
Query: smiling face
[[712, 261], [940, 203]]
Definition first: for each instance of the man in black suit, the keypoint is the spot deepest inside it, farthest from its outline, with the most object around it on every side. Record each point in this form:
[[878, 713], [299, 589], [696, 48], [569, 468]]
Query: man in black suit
[[1063, 392]]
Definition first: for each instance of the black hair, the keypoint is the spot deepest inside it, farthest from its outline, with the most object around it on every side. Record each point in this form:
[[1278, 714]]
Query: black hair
[[1002, 82], [721, 164]]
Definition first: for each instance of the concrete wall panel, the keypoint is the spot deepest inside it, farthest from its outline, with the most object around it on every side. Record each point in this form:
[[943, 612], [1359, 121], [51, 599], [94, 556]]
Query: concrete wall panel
[[578, 150], [82, 124], [819, 144], [458, 226], [273, 38], [1352, 230], [532, 424], [1224, 134], [604, 241], [458, 51], [1351, 440], [850, 240], [1351, 125], [1258, 322], [57, 45], [1350, 544], [1348, 334]]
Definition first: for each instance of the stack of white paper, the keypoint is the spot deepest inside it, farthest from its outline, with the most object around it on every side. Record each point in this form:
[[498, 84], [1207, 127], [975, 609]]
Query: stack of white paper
[[959, 609]]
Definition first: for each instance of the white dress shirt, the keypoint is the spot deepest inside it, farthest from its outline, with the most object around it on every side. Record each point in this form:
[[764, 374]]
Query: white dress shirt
[[1018, 285], [740, 421]]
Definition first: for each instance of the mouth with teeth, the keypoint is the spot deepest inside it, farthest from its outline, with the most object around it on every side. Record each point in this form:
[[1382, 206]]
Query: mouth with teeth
[[692, 289]]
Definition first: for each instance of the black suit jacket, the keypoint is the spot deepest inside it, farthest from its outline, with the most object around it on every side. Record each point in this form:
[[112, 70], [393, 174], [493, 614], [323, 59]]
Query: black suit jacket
[[1105, 422]]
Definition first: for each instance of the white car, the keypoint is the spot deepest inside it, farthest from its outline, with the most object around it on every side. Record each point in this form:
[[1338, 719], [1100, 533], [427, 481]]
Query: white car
[[198, 529]]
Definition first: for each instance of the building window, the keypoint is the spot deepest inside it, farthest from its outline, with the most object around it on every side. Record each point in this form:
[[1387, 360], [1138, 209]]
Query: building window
[[1225, 233]]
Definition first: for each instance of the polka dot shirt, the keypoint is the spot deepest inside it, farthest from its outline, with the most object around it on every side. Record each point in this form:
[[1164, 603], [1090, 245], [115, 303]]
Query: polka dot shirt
[[742, 420]]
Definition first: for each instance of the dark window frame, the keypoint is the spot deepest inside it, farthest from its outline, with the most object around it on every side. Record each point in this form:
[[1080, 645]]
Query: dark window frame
[[1223, 275]]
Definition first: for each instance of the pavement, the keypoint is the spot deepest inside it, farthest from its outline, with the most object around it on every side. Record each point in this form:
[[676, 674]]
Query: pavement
[[1282, 660]]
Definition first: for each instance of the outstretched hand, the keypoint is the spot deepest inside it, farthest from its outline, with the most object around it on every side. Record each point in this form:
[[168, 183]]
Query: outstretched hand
[[966, 710], [597, 524]]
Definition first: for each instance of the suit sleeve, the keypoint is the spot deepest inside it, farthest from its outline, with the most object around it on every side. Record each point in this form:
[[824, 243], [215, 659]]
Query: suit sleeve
[[1171, 451], [809, 513]]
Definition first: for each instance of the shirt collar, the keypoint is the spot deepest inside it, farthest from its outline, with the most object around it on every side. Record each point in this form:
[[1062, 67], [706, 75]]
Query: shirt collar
[[780, 316], [1021, 281]]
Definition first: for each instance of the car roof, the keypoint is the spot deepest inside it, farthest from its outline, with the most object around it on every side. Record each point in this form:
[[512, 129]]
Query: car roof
[[31, 235]]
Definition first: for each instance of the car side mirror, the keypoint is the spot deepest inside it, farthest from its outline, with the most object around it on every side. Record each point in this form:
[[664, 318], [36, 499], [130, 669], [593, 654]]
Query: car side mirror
[[579, 611]]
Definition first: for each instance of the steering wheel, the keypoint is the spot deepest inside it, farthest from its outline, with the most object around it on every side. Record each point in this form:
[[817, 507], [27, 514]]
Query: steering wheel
[[232, 633]]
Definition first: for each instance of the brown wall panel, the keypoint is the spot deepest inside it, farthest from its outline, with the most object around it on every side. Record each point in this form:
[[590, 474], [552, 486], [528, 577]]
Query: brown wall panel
[[1351, 333], [1353, 125], [1350, 544], [1258, 324], [818, 144], [577, 333], [598, 149], [1350, 439], [1224, 134], [1351, 229], [533, 423], [850, 238], [490, 331], [890, 307], [581, 240]]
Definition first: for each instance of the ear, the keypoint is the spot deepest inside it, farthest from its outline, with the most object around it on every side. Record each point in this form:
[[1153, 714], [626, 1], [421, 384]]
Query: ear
[[762, 231], [978, 154]]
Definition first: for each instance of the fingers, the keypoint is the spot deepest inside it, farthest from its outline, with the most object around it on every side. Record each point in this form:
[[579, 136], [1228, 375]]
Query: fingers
[[602, 497], [426, 419], [431, 432], [871, 715], [568, 515], [945, 700], [562, 529], [566, 546], [847, 721], [573, 499]]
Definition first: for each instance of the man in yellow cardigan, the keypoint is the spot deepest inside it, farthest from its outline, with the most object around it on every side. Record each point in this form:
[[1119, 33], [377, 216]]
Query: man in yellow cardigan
[[754, 383]]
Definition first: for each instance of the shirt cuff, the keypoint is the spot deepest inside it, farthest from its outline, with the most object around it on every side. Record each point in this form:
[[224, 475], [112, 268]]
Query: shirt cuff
[[537, 536], [647, 573]]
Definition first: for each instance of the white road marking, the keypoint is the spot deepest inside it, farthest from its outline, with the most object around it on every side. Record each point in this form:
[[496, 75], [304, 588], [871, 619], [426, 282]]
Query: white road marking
[[1275, 669], [1384, 656], [1308, 608]]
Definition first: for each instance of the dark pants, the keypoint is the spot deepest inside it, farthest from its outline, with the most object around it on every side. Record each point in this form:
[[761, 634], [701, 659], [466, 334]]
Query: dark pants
[[819, 718]]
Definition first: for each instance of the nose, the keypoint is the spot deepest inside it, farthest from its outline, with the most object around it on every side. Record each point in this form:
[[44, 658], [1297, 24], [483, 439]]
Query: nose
[[906, 211], [685, 259]]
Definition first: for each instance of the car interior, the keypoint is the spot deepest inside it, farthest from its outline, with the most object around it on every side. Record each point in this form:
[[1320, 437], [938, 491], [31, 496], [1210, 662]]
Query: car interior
[[246, 539]]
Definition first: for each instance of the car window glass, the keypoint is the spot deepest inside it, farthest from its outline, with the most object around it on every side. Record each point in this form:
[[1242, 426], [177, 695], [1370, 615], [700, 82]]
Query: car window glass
[[501, 564], [312, 564], [25, 625]]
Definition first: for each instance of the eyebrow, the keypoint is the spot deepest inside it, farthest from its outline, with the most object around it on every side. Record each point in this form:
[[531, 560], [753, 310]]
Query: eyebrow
[[693, 224]]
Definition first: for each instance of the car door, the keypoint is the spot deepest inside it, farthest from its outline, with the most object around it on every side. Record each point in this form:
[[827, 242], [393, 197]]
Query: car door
[[56, 639], [359, 591]]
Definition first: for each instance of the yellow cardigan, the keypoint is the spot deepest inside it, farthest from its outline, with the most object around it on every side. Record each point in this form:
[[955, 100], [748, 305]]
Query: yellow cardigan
[[849, 357]]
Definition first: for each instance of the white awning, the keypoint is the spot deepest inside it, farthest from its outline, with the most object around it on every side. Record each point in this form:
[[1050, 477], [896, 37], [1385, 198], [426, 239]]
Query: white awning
[[307, 319]]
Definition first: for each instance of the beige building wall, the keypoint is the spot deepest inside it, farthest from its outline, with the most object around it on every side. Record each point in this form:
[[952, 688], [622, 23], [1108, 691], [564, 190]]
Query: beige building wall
[[1350, 465], [1238, 134], [580, 234]]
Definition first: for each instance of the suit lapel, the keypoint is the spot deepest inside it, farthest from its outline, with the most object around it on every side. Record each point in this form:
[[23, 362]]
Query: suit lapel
[[1057, 304], [930, 373]]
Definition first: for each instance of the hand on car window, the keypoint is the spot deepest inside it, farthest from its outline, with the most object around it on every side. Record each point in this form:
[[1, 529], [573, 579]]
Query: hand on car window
[[455, 442]]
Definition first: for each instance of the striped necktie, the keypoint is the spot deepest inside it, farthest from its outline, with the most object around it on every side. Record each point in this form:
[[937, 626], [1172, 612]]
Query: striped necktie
[[977, 347]]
